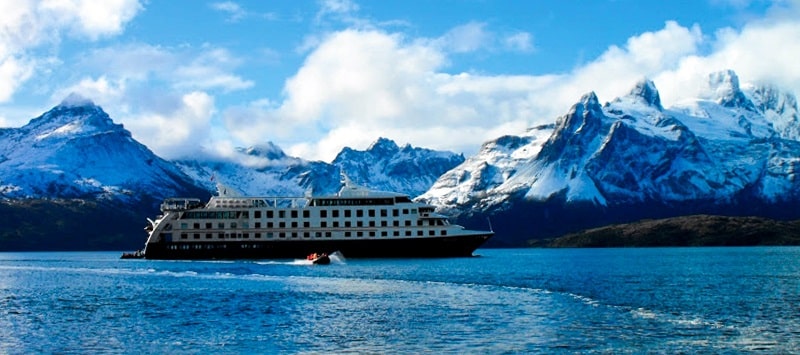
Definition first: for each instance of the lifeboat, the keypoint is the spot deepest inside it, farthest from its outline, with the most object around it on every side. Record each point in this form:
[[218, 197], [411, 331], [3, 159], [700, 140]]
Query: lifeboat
[[319, 259]]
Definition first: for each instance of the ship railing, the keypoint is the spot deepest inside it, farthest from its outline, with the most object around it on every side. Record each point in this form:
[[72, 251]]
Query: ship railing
[[248, 202], [180, 204]]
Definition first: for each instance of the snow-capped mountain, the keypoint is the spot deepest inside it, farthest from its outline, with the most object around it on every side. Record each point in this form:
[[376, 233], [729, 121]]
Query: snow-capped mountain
[[732, 148], [75, 150], [411, 170], [267, 170]]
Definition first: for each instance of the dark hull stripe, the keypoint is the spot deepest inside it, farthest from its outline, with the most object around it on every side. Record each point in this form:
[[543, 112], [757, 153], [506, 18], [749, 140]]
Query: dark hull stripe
[[453, 246]]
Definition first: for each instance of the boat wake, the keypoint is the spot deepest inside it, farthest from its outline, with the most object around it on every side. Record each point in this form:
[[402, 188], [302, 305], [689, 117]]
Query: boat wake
[[335, 258]]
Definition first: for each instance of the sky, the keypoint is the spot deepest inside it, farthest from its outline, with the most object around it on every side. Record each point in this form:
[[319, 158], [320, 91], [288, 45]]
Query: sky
[[194, 78]]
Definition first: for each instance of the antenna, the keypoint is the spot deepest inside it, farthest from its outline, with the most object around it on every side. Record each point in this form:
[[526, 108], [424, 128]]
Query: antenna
[[490, 224]]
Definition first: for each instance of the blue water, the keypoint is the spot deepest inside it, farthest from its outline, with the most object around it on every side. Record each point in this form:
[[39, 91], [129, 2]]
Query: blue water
[[666, 300]]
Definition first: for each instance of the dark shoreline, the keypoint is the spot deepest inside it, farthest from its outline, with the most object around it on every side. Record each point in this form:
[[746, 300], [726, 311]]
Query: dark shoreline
[[686, 231]]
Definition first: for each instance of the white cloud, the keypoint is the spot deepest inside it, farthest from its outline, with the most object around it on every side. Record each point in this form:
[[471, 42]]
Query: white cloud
[[179, 133], [29, 24], [466, 38], [520, 42], [358, 85], [234, 11]]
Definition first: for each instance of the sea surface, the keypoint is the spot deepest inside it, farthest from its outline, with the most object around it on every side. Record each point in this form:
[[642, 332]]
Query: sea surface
[[658, 300]]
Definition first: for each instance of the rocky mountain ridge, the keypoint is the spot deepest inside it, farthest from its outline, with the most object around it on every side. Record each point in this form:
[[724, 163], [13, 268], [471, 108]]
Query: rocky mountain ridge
[[729, 152]]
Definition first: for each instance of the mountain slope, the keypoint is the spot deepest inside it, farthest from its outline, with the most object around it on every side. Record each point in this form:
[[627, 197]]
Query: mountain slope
[[267, 170], [72, 179], [727, 152], [75, 150]]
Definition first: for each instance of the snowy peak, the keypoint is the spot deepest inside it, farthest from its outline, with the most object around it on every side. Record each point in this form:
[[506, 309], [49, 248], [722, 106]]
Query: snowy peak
[[268, 151], [574, 130], [383, 146], [74, 117], [718, 148], [646, 91], [75, 150], [779, 108], [385, 166], [724, 90]]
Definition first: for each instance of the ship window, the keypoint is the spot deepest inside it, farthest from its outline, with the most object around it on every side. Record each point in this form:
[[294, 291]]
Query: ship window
[[209, 236], [281, 214], [384, 233], [245, 225], [184, 236], [270, 235], [196, 225], [270, 214], [335, 213], [257, 214], [281, 224], [294, 213], [347, 213], [408, 233], [384, 213], [258, 224], [395, 213], [396, 223], [347, 224], [196, 236], [431, 232], [396, 233], [359, 234], [327, 234], [208, 225], [318, 235], [221, 235], [371, 213], [323, 213], [233, 225], [335, 224], [419, 222], [294, 234], [306, 214], [419, 233], [282, 235], [221, 225], [372, 223], [359, 213], [323, 224], [444, 232], [306, 235], [270, 225], [306, 224], [405, 211], [347, 234], [258, 236], [245, 214], [184, 226], [372, 233], [294, 224], [384, 223], [413, 211], [359, 223], [408, 223]]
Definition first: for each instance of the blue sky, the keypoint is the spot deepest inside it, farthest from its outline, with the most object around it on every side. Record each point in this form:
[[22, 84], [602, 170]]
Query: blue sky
[[203, 77]]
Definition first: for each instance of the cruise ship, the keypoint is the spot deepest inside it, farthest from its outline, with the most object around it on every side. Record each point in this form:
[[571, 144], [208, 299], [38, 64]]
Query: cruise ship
[[357, 222]]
